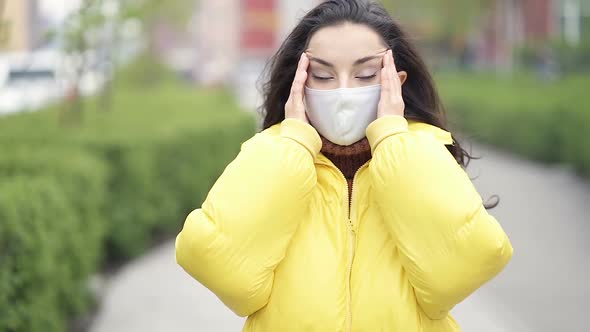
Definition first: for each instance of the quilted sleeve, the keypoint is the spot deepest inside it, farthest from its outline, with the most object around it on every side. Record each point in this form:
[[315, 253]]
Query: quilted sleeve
[[234, 241], [447, 241]]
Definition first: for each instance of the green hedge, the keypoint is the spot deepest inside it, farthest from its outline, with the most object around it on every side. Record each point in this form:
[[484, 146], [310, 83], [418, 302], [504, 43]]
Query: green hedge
[[547, 121], [76, 196], [50, 242]]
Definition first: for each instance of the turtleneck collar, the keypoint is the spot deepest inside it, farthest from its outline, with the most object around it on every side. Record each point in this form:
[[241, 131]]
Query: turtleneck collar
[[347, 158]]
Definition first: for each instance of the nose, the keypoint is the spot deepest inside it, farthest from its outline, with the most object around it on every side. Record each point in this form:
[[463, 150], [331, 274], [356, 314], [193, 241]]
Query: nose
[[344, 81]]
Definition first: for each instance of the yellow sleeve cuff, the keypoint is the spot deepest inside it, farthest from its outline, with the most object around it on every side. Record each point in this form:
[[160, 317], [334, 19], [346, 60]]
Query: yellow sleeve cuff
[[383, 127], [303, 133]]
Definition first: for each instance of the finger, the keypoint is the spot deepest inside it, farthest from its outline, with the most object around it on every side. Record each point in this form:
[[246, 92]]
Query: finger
[[395, 82], [300, 78], [384, 61], [385, 73], [391, 65], [392, 62], [296, 84], [385, 82], [389, 84]]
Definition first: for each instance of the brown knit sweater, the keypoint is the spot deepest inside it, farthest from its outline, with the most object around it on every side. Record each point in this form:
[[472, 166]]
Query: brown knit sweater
[[347, 158]]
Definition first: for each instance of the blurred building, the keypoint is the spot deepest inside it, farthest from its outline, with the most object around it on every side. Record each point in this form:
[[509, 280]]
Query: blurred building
[[514, 23], [235, 38], [20, 25]]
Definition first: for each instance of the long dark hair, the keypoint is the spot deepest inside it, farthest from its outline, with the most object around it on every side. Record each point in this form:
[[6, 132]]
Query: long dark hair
[[422, 102]]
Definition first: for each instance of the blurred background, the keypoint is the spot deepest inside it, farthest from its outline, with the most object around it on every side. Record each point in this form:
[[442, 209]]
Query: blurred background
[[117, 116]]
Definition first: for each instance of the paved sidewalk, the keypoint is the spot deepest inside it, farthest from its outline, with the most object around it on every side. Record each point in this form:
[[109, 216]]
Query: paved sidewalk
[[153, 294], [544, 210]]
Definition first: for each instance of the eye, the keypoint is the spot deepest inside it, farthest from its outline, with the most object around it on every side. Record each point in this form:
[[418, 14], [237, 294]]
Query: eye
[[321, 78], [367, 77]]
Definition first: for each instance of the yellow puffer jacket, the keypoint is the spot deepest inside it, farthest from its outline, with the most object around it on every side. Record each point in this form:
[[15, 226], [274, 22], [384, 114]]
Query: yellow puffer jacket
[[276, 239]]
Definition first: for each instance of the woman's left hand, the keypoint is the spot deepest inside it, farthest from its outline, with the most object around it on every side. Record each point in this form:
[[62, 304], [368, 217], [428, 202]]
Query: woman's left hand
[[391, 102]]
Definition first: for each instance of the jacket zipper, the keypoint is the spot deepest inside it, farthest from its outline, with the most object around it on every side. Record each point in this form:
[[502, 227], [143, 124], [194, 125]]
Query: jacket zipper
[[351, 240]]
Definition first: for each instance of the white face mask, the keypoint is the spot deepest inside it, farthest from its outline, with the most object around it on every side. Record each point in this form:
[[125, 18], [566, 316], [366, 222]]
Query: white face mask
[[342, 115]]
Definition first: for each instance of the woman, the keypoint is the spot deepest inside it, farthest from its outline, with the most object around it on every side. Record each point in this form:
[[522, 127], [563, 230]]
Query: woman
[[350, 210]]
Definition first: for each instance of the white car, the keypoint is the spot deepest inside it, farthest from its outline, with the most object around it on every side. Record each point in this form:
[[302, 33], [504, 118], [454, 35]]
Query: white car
[[30, 81]]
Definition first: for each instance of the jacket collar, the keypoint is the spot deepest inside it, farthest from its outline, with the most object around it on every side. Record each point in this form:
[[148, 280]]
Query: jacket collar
[[440, 134]]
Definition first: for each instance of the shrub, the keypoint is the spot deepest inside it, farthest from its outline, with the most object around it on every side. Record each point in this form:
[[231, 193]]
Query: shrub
[[544, 120], [50, 243], [77, 196]]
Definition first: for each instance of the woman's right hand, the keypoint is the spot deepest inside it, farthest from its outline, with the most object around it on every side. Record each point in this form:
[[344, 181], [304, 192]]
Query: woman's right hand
[[294, 107]]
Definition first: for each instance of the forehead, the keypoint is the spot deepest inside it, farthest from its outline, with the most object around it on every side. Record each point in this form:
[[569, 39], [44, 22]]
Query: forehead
[[345, 43]]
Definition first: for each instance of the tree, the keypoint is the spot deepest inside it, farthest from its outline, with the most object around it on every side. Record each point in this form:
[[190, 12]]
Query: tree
[[442, 22], [80, 37], [152, 13], [93, 30]]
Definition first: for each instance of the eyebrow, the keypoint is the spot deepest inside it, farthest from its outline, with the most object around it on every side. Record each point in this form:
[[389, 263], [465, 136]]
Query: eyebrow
[[356, 63]]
